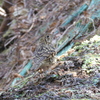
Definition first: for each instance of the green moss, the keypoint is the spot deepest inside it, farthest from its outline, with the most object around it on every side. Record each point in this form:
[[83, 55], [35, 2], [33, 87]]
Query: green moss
[[1, 1]]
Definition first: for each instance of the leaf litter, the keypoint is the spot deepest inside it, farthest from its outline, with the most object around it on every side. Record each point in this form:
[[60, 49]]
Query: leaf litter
[[76, 74]]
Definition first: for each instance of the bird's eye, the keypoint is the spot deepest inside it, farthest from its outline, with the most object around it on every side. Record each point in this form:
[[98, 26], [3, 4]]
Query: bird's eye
[[47, 36]]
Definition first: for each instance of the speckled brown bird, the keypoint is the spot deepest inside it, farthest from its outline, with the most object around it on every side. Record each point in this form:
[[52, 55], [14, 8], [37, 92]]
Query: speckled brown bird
[[43, 56]]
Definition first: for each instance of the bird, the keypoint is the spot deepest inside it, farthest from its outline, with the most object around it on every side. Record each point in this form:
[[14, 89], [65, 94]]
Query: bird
[[43, 56]]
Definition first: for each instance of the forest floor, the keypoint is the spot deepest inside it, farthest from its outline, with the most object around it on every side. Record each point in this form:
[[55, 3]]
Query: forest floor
[[76, 75], [77, 78]]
